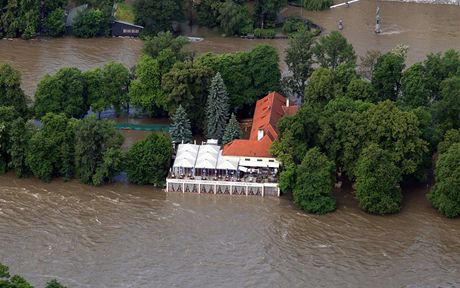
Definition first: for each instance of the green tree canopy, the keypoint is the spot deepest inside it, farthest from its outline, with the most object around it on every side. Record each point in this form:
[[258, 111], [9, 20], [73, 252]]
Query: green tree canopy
[[359, 89], [54, 24], [165, 40], [147, 161], [332, 50], [315, 183], [447, 108], [64, 92], [266, 11], [19, 136], [98, 157], [299, 59], [387, 76], [233, 17], [88, 23], [377, 181], [320, 87], [445, 195], [11, 93], [415, 87], [157, 15], [451, 137]]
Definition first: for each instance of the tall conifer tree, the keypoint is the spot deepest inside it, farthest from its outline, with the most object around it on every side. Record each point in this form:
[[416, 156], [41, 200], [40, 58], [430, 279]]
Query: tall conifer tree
[[216, 108], [180, 129]]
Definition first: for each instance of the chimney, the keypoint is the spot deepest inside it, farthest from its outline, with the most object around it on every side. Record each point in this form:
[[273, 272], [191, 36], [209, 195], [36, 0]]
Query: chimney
[[287, 102], [260, 134]]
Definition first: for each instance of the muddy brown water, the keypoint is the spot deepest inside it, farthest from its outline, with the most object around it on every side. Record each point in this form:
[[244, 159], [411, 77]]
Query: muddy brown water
[[132, 236]]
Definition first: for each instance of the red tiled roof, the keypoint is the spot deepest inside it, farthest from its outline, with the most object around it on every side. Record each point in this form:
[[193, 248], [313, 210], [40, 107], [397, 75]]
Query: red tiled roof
[[269, 110]]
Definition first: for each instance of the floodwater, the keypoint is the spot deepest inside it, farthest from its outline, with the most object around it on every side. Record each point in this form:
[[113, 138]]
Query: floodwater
[[131, 236]]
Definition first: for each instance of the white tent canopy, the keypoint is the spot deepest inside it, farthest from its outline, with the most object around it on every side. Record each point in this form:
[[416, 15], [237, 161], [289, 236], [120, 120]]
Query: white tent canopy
[[186, 156], [227, 163], [207, 157]]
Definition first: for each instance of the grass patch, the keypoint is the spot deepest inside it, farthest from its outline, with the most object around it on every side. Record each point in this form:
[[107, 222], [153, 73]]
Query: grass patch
[[124, 12]]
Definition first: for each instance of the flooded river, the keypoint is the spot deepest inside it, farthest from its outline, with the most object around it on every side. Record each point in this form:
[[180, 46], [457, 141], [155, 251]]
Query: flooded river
[[130, 236]]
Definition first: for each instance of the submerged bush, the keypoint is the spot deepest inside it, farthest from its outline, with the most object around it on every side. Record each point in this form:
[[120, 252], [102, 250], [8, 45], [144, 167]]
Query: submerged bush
[[316, 5]]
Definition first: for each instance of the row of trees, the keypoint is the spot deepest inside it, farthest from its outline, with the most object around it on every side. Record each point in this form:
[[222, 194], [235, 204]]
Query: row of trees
[[232, 16], [378, 123], [166, 77], [16, 281], [62, 145]]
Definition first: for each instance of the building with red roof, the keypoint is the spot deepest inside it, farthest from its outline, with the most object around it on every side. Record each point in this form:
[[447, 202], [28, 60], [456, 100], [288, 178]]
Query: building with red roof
[[269, 110]]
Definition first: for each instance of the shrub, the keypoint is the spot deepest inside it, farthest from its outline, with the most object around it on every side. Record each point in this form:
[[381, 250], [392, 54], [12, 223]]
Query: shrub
[[88, 23], [292, 24], [317, 5], [264, 33]]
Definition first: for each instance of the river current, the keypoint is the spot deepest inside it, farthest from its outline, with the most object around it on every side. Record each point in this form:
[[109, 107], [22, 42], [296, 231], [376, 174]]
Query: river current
[[132, 236]]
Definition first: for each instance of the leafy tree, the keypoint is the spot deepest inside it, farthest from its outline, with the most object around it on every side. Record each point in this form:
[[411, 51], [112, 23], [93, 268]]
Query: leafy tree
[[63, 92], [299, 59], [147, 161], [15, 281], [387, 76], [451, 137], [50, 151], [88, 23], [233, 17], [156, 15], [145, 90], [11, 93], [377, 181], [447, 109], [54, 284], [343, 75], [332, 50], [266, 11], [165, 40], [359, 89], [97, 151], [216, 108], [445, 195], [320, 87], [232, 131], [415, 90], [54, 24], [314, 184], [187, 84], [107, 86], [317, 5], [20, 135], [7, 115], [208, 13], [180, 129]]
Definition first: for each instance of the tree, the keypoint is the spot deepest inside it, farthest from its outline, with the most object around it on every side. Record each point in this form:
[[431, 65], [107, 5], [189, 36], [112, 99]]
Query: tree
[[7, 115], [16, 281], [232, 131], [377, 181], [97, 151], [145, 90], [233, 17], [320, 87], [180, 129], [54, 284], [447, 108], [415, 90], [20, 135], [332, 50], [54, 24], [11, 93], [208, 13], [387, 76], [165, 40], [451, 137], [359, 89], [299, 59], [266, 11], [50, 151], [147, 161], [314, 184], [88, 23], [317, 5], [445, 195], [187, 84], [156, 15], [216, 108], [107, 86], [63, 92]]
